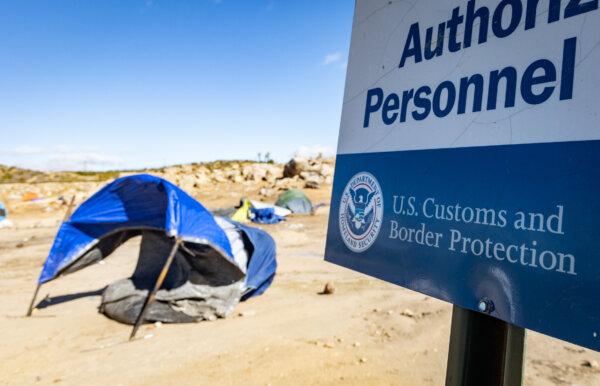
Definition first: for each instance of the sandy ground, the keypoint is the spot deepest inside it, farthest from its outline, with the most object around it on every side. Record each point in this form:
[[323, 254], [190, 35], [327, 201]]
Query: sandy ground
[[367, 332]]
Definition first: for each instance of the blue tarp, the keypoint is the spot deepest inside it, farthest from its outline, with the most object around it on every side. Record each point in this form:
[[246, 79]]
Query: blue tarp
[[146, 202], [265, 216], [2, 211]]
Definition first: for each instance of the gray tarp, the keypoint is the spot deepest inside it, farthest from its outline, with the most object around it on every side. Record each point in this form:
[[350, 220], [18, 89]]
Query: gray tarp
[[197, 287]]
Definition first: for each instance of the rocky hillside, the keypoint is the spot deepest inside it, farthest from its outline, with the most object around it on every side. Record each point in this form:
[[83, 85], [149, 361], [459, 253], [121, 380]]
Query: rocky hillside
[[21, 189], [11, 174]]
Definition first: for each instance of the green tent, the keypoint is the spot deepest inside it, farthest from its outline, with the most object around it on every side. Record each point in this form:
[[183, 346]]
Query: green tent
[[296, 201]]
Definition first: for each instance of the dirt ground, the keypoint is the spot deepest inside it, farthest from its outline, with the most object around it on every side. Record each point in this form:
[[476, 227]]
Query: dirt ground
[[367, 332]]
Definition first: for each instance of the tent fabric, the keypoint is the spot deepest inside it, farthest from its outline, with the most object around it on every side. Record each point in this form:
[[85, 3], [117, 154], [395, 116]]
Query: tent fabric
[[263, 265], [278, 210], [296, 201], [265, 216], [242, 213], [133, 204], [189, 293], [259, 212]]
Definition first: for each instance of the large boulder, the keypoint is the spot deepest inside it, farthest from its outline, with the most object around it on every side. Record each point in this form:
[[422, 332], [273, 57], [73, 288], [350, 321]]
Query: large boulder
[[295, 166]]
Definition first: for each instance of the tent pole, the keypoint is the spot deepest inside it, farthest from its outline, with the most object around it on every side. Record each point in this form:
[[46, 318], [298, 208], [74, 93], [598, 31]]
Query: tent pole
[[159, 280], [37, 289], [69, 209]]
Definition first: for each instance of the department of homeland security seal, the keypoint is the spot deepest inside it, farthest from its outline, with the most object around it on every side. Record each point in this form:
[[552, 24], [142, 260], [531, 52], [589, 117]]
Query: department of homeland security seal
[[361, 212]]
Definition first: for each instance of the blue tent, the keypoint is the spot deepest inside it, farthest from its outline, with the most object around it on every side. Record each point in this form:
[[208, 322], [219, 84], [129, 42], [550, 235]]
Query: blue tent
[[130, 205]]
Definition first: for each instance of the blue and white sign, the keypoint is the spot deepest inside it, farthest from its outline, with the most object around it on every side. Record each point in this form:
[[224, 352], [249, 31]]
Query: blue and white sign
[[468, 163]]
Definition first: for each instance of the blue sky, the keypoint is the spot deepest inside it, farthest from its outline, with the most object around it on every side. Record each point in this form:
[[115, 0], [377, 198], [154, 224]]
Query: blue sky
[[120, 84]]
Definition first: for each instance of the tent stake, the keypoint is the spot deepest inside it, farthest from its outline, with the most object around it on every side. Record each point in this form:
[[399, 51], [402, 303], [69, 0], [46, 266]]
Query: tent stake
[[157, 285], [30, 310]]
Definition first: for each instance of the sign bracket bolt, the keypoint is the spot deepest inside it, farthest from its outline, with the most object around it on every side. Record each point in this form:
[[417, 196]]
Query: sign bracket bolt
[[486, 306]]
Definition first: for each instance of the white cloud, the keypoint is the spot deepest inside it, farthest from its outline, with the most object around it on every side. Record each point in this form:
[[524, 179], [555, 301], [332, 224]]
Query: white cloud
[[331, 58], [24, 150], [84, 161], [314, 150], [59, 158]]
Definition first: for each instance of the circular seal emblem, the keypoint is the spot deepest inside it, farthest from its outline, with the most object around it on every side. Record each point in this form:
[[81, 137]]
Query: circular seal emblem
[[361, 212]]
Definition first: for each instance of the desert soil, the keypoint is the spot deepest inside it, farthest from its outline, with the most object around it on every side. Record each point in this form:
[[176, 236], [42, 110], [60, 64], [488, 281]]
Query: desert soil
[[367, 333]]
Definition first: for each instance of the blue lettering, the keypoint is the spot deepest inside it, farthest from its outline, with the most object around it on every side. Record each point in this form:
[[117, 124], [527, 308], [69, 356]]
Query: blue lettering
[[529, 80], [412, 46], [372, 107]]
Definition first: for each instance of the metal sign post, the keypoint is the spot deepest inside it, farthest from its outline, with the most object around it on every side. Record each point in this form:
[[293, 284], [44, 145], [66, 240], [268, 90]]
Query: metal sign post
[[484, 350]]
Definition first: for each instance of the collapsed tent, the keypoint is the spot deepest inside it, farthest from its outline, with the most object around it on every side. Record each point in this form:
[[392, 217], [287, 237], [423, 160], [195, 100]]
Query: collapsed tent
[[215, 262], [296, 201], [259, 212]]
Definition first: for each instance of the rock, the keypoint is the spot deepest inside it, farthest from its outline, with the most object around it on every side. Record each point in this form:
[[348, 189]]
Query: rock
[[328, 345], [287, 183], [266, 192], [362, 360], [19, 245], [590, 364], [304, 175], [311, 185], [326, 170], [408, 313], [295, 166], [218, 176], [210, 317], [328, 290], [356, 344], [247, 313]]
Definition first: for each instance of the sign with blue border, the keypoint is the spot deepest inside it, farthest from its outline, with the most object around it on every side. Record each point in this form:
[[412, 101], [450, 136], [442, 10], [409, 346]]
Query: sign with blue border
[[468, 163]]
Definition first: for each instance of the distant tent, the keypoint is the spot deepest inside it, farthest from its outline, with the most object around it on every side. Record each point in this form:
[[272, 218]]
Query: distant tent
[[209, 254], [296, 201], [259, 212]]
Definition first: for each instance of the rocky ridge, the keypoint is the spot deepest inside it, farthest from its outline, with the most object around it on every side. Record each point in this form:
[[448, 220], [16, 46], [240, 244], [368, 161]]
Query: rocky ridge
[[55, 190]]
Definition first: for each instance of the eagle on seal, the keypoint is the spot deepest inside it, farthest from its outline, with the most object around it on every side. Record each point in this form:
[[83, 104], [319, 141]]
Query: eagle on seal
[[360, 208]]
